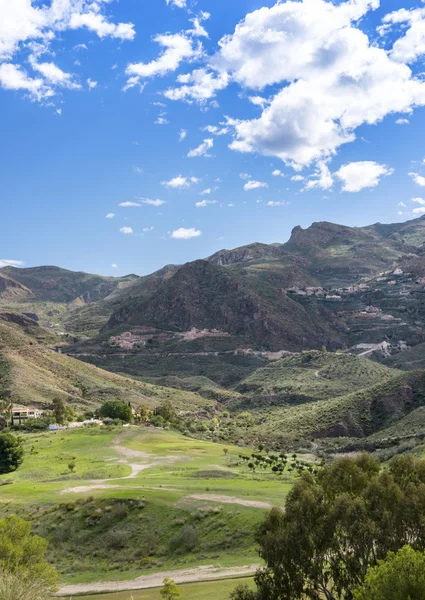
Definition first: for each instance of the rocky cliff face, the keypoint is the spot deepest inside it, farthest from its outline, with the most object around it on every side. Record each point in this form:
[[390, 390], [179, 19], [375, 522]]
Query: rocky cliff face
[[11, 289]]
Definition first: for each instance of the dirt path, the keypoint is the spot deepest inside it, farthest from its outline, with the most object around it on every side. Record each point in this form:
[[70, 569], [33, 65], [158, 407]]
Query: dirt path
[[207, 573], [230, 500], [128, 457]]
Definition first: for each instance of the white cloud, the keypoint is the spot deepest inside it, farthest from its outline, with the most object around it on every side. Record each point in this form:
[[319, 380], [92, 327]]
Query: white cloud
[[185, 234], [54, 75], [29, 26], [216, 130], [206, 192], [4, 262], [128, 204], [204, 203], [200, 86], [138, 170], [110, 216], [276, 203], [126, 230], [321, 179], [150, 202], [331, 79], [91, 83], [182, 134], [402, 204], [418, 179], [202, 149], [419, 211], [357, 176], [297, 178], [231, 204], [161, 121], [178, 47], [409, 47], [146, 229], [198, 29], [417, 200], [180, 182], [278, 173], [244, 175], [13, 78], [254, 185], [178, 3], [258, 101], [114, 266], [402, 122]]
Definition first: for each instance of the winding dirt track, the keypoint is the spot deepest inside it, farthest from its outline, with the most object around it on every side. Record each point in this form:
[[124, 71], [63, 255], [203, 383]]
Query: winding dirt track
[[207, 573]]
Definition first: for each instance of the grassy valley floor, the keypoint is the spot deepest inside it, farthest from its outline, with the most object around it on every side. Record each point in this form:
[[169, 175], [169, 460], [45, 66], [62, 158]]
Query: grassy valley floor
[[140, 501]]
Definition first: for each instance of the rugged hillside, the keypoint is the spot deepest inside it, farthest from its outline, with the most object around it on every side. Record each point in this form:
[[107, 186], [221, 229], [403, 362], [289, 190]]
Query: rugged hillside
[[205, 296], [359, 414], [10, 289], [32, 373], [59, 285], [314, 376]]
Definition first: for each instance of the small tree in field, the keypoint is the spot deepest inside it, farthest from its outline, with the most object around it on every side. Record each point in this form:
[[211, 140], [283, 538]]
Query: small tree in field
[[71, 467], [170, 590], [115, 409], [400, 576], [11, 453]]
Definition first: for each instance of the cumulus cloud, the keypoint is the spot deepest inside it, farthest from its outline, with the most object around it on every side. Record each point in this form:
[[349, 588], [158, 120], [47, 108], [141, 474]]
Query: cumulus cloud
[[278, 173], [330, 77], [185, 234], [30, 27], [254, 185], [418, 179], [126, 230], [178, 47], [199, 86], [180, 182], [110, 216], [182, 134], [204, 203], [216, 130], [129, 204], [297, 178], [114, 266], [356, 176], [402, 122], [419, 211], [410, 46], [417, 200], [244, 175], [146, 229], [322, 178], [91, 83], [202, 149], [4, 262], [161, 121]]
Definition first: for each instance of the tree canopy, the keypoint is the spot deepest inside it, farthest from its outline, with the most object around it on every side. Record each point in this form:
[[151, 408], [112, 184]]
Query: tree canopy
[[115, 409], [11, 453], [22, 553], [338, 523], [400, 576]]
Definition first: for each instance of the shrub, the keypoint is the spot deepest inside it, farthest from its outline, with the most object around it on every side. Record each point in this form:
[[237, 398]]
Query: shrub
[[115, 409], [11, 453]]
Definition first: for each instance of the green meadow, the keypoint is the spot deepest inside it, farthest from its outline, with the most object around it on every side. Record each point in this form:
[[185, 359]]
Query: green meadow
[[138, 501]]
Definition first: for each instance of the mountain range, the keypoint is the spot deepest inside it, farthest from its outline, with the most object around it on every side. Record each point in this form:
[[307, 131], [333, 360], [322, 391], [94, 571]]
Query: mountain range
[[221, 328]]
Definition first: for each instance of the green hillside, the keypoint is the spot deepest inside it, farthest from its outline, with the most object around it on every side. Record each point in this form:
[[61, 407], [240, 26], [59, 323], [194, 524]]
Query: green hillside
[[359, 414], [32, 373], [314, 376]]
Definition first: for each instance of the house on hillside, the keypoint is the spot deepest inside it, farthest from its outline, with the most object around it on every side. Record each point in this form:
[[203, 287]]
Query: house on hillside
[[20, 414]]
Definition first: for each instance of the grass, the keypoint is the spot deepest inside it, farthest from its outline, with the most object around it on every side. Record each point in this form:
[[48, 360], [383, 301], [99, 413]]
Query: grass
[[144, 524], [209, 590]]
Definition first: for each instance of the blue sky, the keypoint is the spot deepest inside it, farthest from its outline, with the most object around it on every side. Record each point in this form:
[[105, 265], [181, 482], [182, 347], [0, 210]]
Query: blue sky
[[212, 108]]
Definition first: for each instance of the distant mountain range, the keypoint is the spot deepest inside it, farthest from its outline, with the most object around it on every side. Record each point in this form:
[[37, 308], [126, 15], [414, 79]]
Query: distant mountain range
[[213, 326]]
